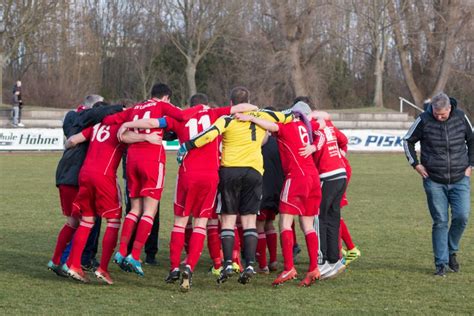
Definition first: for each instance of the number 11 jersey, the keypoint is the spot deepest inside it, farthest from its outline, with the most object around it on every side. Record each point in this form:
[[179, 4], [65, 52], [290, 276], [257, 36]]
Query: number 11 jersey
[[205, 158]]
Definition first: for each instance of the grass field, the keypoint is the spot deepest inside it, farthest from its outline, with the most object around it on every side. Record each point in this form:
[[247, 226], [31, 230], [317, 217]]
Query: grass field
[[387, 216]]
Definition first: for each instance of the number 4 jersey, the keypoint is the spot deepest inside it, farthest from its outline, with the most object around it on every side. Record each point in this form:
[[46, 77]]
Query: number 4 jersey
[[205, 158]]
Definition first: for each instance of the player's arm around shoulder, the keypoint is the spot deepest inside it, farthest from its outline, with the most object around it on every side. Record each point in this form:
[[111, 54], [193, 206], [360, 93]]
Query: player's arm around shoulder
[[263, 123], [78, 138]]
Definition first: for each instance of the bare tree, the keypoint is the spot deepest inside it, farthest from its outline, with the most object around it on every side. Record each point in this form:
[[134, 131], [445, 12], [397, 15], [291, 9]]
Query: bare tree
[[19, 19], [194, 26], [425, 33]]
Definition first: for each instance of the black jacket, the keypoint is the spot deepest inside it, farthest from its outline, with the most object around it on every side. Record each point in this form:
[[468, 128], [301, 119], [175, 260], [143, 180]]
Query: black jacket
[[447, 148], [70, 164], [273, 177]]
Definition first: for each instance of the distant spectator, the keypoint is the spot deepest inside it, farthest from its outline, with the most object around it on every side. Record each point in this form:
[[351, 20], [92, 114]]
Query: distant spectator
[[17, 103]]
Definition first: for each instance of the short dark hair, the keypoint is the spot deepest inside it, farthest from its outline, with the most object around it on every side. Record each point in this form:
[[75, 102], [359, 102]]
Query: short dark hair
[[99, 104], [305, 99], [198, 98], [239, 95], [160, 90]]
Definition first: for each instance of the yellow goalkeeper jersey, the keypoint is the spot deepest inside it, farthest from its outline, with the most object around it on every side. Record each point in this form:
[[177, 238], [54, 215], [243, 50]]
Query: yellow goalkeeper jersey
[[241, 141]]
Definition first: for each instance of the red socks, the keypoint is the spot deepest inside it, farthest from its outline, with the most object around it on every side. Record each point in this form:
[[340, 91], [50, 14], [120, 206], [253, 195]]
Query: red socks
[[262, 250], [127, 231], [214, 244], [286, 240], [345, 235], [64, 237], [271, 238], [196, 243], [109, 242], [80, 239], [312, 246], [176, 246], [143, 231]]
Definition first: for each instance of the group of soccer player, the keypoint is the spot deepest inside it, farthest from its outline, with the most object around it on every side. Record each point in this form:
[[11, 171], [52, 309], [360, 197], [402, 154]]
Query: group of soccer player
[[228, 185]]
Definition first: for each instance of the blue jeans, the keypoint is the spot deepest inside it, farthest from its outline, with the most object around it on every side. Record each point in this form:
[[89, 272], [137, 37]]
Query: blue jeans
[[446, 239]]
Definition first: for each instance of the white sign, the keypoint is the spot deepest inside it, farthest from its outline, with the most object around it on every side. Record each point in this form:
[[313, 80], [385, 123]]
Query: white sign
[[375, 140], [43, 139], [31, 139]]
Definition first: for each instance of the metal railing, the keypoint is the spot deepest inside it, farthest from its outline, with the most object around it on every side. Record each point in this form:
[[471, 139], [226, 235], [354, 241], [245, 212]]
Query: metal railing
[[403, 100]]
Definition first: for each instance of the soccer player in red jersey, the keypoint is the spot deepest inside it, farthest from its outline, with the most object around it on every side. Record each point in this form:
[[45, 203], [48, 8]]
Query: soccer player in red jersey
[[145, 173], [197, 182], [301, 192], [332, 172], [98, 194]]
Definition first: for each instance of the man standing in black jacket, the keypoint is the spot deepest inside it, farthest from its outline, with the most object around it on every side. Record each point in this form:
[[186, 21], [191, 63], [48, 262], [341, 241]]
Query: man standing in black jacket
[[447, 156], [67, 172]]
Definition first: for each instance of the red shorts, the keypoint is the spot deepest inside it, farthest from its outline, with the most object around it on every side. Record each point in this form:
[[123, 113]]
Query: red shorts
[[98, 195], [145, 178], [67, 194], [301, 196], [266, 215], [196, 194]]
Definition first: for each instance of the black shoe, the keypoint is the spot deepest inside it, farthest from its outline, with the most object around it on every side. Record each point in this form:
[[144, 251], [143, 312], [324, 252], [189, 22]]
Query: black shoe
[[440, 271], [453, 263], [245, 276], [151, 260], [186, 280], [226, 273], [91, 266], [173, 276]]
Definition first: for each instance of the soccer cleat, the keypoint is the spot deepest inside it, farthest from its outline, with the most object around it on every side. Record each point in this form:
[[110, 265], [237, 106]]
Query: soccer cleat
[[343, 252], [186, 280], [453, 263], [324, 268], [352, 255], [273, 266], [90, 266], [103, 276], [135, 265], [120, 261], [285, 276], [236, 267], [310, 278], [246, 275], [56, 269], [440, 271], [225, 274], [173, 276], [151, 260], [216, 272], [78, 275], [336, 269], [21, 125], [264, 270]]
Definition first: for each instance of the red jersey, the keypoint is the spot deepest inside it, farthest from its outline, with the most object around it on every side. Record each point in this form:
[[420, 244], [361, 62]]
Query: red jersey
[[291, 138], [328, 158], [104, 152], [152, 108], [204, 158]]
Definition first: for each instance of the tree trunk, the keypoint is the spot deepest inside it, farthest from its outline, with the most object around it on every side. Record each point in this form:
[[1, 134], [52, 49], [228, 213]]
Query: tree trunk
[[296, 71], [191, 76], [415, 91], [2, 61], [379, 70]]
